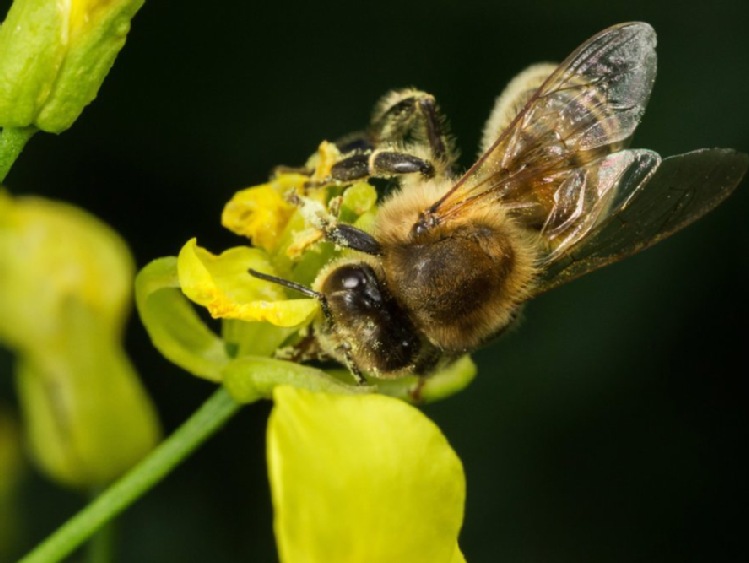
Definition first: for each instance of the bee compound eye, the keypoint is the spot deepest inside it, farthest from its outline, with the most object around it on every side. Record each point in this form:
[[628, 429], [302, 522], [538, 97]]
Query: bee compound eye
[[347, 279], [353, 279], [355, 285]]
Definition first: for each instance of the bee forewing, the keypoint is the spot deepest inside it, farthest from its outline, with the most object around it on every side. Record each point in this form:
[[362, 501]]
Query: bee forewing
[[587, 108], [612, 75], [512, 100]]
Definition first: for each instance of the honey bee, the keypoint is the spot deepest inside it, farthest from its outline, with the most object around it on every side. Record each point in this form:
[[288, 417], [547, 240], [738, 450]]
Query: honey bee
[[554, 195]]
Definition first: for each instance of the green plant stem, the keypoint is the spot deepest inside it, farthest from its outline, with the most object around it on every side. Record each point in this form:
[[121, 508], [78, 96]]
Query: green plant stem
[[202, 424], [100, 547], [12, 141]]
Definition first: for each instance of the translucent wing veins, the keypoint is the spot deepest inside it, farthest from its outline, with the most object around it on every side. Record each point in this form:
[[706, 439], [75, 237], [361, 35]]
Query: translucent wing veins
[[683, 188]]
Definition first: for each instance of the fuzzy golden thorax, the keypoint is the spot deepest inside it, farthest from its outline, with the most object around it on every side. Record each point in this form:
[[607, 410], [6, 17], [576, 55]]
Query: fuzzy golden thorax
[[461, 282]]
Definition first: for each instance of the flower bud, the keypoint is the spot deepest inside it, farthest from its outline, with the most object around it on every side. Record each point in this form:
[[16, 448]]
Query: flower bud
[[54, 55], [64, 290]]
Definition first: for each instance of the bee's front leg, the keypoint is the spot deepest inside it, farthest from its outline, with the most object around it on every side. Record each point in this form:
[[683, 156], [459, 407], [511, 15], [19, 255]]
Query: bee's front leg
[[348, 357]]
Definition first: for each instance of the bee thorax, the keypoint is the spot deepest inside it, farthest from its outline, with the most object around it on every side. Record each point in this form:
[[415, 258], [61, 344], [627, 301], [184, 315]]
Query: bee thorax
[[464, 286]]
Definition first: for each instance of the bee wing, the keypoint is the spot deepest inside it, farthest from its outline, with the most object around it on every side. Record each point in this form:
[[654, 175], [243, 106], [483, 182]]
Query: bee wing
[[586, 109], [587, 195], [653, 201]]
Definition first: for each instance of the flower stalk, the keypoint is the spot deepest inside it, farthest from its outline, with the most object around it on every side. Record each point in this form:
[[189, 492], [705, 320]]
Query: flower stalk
[[203, 423], [12, 142]]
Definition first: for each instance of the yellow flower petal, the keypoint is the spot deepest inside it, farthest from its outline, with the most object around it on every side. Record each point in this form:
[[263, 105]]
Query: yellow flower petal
[[259, 213], [323, 160], [361, 479], [458, 556], [224, 286]]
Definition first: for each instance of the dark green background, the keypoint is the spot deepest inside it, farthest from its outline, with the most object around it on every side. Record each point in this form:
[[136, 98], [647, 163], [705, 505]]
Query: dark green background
[[609, 427]]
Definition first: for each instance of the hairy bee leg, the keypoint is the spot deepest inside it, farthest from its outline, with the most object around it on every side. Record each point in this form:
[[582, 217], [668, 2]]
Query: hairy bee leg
[[349, 236], [435, 131], [283, 169], [379, 163], [415, 392], [341, 234], [351, 365], [403, 112], [400, 117]]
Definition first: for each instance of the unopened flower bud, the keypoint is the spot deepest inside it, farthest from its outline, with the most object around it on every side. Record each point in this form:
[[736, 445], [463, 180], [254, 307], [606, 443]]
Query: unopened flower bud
[[64, 289], [54, 55]]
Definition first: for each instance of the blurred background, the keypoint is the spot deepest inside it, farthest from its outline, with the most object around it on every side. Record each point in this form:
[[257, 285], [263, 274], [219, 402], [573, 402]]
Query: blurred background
[[609, 427]]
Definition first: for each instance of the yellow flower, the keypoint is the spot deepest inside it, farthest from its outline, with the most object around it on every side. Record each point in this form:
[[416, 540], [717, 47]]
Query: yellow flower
[[64, 290], [223, 285], [361, 479], [284, 245], [355, 475], [258, 317], [262, 212], [54, 55]]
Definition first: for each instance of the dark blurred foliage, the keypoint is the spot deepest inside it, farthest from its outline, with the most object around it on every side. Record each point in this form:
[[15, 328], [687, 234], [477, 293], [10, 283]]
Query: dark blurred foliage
[[609, 427]]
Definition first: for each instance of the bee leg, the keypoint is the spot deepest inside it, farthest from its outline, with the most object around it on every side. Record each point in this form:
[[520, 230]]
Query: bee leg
[[283, 169], [380, 164], [408, 119], [308, 348], [391, 163], [349, 236], [351, 365], [412, 116], [415, 392], [354, 167]]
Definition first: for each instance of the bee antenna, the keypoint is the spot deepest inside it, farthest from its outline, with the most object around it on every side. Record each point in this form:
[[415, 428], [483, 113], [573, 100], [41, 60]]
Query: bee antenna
[[304, 290]]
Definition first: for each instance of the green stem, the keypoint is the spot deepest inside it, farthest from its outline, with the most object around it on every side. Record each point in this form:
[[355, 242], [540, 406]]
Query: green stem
[[202, 424], [101, 545], [12, 141]]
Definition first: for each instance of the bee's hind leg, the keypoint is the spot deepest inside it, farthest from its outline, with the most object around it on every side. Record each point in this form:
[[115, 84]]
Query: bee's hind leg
[[408, 135], [412, 118]]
